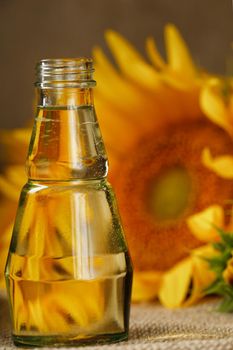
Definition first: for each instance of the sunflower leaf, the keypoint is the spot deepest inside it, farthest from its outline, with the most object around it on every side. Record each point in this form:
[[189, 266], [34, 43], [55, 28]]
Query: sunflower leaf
[[227, 237], [216, 287], [226, 305], [219, 246], [220, 265]]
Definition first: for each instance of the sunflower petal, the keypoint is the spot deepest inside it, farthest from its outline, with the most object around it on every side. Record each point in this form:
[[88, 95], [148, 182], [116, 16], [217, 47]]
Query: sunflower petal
[[222, 165], [146, 285], [14, 145], [213, 104], [202, 275], [10, 190], [179, 58], [168, 74], [202, 223], [131, 62], [175, 284], [109, 76], [154, 54], [7, 213]]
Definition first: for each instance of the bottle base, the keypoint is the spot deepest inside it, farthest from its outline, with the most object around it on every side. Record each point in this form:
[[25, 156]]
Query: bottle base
[[41, 341]]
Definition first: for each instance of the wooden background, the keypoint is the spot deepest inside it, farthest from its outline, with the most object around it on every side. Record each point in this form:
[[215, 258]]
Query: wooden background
[[35, 29]]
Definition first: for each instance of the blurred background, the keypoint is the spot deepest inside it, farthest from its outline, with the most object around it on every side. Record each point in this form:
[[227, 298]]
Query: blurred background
[[31, 30]]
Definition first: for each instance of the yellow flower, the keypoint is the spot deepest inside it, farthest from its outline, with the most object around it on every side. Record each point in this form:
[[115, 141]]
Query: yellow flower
[[166, 131], [155, 123]]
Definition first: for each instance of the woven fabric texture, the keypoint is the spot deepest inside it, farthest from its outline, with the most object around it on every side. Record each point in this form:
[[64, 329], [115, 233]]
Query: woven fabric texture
[[155, 328]]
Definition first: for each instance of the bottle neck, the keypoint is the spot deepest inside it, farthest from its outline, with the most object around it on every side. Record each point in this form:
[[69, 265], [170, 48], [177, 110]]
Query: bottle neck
[[68, 97], [66, 142]]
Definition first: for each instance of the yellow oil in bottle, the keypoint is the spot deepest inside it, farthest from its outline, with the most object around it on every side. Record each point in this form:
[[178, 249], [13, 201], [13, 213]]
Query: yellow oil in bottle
[[49, 300]]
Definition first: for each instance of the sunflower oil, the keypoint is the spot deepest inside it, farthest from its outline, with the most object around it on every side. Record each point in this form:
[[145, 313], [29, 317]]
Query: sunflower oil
[[52, 301], [68, 272]]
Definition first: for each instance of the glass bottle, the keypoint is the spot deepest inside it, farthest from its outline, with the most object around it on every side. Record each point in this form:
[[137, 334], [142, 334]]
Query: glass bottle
[[68, 272]]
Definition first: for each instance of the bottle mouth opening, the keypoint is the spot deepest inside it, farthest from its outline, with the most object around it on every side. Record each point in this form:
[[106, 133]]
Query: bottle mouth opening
[[65, 72]]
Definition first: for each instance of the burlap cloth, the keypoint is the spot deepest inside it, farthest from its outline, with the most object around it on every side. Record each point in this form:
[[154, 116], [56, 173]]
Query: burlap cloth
[[153, 327]]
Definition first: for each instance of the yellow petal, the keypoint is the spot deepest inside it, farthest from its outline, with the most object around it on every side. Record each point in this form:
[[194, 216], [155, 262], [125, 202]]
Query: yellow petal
[[16, 174], [176, 80], [175, 284], [202, 223], [221, 165], [14, 145], [202, 275], [154, 55], [7, 213], [116, 104], [10, 190], [131, 62], [184, 284], [213, 105], [179, 58], [107, 76], [145, 285], [168, 74]]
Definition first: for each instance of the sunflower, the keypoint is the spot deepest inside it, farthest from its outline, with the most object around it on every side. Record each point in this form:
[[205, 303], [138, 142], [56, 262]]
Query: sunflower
[[167, 127], [164, 124]]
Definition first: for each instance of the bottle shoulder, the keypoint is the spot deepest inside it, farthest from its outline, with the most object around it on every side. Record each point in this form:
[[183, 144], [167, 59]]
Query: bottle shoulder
[[35, 186]]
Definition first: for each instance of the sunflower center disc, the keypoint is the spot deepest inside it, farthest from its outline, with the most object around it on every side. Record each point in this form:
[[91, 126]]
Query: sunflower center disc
[[162, 182], [170, 194]]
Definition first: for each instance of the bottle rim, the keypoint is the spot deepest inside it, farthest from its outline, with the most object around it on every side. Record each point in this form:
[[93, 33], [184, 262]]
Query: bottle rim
[[65, 72]]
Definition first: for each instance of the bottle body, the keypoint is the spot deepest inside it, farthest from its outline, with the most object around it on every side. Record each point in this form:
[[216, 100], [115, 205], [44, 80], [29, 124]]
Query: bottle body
[[68, 272]]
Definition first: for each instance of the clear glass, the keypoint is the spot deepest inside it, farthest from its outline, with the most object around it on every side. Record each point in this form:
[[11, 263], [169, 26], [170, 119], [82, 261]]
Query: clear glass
[[68, 272]]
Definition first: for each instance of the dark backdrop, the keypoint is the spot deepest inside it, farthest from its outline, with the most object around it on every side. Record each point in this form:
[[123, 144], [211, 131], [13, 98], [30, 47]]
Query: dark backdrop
[[34, 29]]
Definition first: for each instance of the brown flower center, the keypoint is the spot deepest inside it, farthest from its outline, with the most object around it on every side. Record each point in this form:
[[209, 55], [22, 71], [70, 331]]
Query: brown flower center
[[170, 194], [161, 182]]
